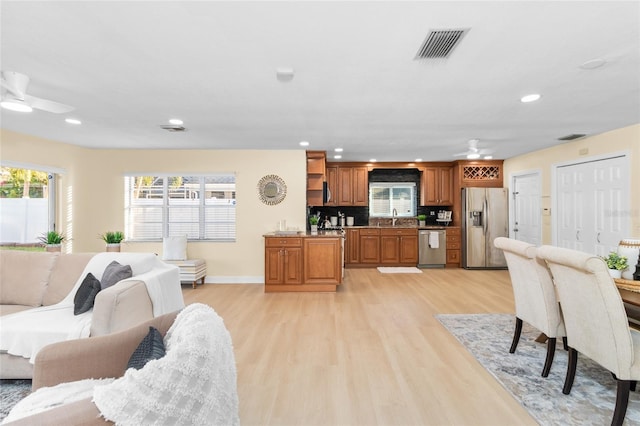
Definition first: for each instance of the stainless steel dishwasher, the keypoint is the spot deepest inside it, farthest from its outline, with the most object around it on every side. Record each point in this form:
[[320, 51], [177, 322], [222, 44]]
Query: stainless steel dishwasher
[[432, 248]]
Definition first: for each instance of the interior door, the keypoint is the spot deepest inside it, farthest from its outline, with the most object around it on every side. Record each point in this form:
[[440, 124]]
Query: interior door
[[526, 208], [593, 204]]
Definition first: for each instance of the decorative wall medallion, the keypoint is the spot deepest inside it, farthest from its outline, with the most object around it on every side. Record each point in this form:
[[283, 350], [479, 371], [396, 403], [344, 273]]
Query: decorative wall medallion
[[272, 189]]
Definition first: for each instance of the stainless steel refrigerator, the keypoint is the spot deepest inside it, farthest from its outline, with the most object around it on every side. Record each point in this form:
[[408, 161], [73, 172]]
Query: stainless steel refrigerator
[[485, 216]]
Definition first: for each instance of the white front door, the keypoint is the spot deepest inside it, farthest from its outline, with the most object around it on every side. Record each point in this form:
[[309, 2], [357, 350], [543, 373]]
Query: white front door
[[526, 195]]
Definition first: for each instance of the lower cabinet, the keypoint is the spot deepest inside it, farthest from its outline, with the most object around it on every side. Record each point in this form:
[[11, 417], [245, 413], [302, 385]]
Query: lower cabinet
[[311, 263], [454, 246], [367, 247], [352, 246]]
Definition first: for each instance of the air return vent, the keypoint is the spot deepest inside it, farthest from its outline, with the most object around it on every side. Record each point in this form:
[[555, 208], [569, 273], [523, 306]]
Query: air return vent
[[572, 137], [440, 43], [174, 128]]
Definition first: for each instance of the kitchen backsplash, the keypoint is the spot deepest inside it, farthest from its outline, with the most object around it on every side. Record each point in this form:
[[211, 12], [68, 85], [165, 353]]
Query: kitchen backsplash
[[361, 214]]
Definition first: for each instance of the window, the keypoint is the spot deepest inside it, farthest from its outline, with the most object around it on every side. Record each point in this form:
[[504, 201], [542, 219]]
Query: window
[[200, 207], [384, 197]]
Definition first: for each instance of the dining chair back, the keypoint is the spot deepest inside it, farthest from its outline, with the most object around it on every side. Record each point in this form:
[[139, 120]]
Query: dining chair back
[[534, 295], [595, 319]]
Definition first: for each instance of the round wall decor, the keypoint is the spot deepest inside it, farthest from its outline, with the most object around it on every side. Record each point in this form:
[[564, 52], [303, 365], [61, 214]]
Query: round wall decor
[[272, 189]]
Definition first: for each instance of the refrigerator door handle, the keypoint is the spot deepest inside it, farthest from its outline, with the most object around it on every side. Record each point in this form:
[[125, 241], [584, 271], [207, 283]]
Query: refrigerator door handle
[[485, 214]]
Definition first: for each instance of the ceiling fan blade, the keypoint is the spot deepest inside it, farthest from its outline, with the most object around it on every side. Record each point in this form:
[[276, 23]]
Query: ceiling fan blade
[[47, 105], [15, 83]]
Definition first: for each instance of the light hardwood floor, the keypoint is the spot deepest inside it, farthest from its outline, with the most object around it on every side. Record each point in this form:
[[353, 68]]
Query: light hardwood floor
[[371, 354]]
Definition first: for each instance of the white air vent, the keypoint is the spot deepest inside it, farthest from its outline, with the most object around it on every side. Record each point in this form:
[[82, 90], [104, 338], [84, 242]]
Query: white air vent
[[440, 43], [173, 128], [572, 137]]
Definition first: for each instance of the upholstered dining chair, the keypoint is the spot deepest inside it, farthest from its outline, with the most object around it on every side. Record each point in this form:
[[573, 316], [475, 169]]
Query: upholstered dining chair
[[534, 295], [595, 320]]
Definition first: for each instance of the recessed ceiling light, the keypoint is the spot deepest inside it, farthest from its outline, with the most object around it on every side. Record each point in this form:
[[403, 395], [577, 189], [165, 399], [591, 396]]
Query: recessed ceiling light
[[488, 157], [73, 121], [16, 105], [304, 143], [373, 160], [176, 121], [473, 156], [418, 160], [338, 150], [284, 74], [530, 98], [337, 157]]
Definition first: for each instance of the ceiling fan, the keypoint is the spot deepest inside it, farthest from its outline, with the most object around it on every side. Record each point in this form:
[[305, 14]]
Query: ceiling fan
[[473, 152], [15, 98]]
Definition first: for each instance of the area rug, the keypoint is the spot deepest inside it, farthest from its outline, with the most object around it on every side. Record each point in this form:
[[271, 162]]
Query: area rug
[[399, 270], [11, 392], [592, 398]]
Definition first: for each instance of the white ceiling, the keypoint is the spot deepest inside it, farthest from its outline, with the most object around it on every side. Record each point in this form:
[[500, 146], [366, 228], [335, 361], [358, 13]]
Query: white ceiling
[[127, 67]]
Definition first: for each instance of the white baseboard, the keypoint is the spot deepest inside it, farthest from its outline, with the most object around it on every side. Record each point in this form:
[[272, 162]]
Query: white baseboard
[[215, 279]]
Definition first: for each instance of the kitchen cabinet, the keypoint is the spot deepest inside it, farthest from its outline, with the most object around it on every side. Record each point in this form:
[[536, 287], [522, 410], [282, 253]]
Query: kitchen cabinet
[[302, 263], [437, 186], [316, 162], [352, 186], [481, 173], [322, 260], [352, 247], [399, 246], [332, 185], [454, 246], [283, 261], [370, 245]]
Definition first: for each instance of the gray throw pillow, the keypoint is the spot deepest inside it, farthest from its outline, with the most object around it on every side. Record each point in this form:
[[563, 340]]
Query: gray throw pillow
[[115, 272], [151, 347], [86, 294]]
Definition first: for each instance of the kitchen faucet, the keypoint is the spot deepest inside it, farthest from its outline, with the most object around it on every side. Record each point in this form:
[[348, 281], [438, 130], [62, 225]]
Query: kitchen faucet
[[394, 214]]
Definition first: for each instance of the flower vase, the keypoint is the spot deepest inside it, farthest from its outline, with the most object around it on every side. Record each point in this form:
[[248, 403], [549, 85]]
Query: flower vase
[[114, 247], [615, 273], [54, 248], [630, 248], [314, 229]]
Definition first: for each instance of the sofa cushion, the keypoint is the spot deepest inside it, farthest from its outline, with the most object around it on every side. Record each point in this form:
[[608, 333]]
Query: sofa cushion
[[86, 294], [65, 274], [174, 248], [24, 276], [115, 272], [151, 347]]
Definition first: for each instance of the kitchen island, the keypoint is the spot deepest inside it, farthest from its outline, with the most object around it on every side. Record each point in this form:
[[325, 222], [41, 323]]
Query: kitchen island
[[303, 261]]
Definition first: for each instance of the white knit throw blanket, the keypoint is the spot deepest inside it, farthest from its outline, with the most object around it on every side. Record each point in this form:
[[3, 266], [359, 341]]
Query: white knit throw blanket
[[193, 384]]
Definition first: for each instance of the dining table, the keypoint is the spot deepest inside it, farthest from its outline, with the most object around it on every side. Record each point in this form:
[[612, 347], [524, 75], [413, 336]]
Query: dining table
[[630, 294]]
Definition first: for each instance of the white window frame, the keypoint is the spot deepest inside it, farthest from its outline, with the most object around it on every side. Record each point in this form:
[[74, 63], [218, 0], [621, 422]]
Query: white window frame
[[410, 212], [200, 229]]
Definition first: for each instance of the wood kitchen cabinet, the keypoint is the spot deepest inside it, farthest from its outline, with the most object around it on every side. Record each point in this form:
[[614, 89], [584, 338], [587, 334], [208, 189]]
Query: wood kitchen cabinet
[[370, 245], [316, 161], [352, 247], [352, 186], [437, 186], [332, 185], [283, 261], [322, 260], [302, 263], [454, 246], [399, 246]]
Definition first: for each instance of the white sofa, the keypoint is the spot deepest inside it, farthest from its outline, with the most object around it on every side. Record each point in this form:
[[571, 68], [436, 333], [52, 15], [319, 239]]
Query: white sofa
[[36, 300]]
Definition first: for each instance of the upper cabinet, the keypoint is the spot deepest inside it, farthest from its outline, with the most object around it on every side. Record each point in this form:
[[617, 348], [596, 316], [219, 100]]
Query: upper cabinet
[[485, 173], [316, 162], [349, 185], [437, 186]]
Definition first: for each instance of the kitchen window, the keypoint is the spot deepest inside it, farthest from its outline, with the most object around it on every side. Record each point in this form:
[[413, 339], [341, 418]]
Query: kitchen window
[[202, 207], [384, 197]]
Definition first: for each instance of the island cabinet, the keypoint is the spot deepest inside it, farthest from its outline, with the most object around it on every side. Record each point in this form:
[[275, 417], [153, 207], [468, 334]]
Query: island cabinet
[[302, 263], [283, 261], [437, 186], [399, 246]]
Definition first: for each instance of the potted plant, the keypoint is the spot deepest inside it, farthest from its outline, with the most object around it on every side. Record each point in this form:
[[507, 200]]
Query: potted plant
[[113, 240], [313, 222], [52, 240], [616, 264], [422, 219]]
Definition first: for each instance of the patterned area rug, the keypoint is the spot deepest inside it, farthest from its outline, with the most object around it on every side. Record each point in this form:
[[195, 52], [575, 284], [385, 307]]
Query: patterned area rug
[[11, 392], [592, 399], [399, 270]]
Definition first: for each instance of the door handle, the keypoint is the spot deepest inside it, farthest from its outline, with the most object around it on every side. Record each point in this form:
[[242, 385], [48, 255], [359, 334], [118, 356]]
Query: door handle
[[578, 235], [598, 238]]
